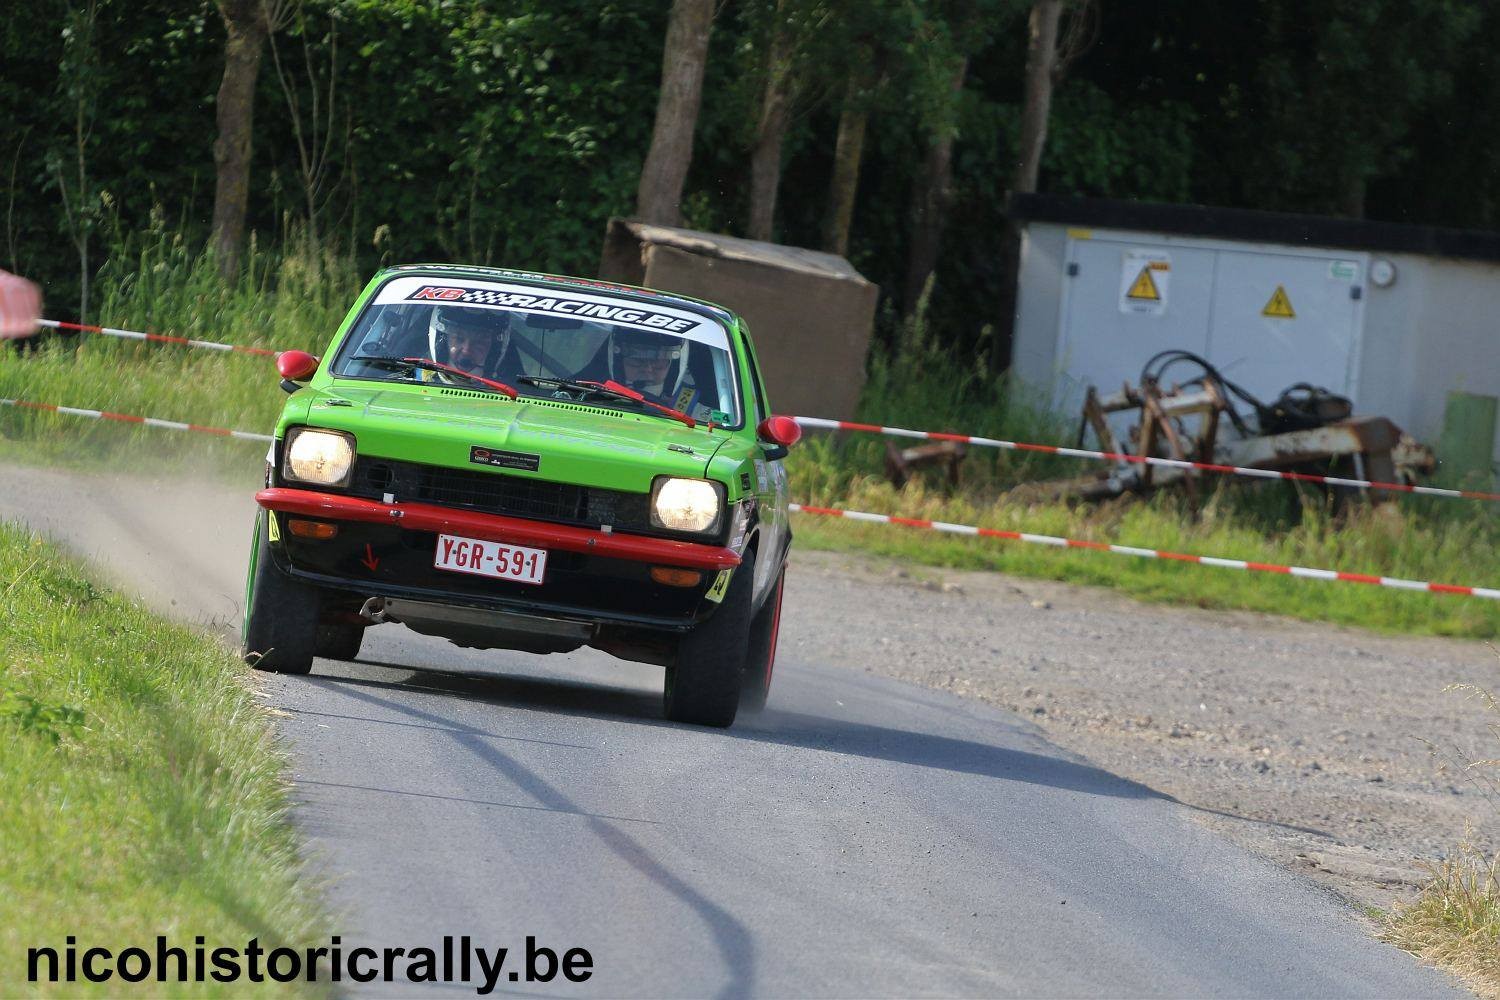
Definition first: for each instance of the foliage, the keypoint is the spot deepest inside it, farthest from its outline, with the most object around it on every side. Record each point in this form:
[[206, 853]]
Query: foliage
[[39, 718], [508, 132]]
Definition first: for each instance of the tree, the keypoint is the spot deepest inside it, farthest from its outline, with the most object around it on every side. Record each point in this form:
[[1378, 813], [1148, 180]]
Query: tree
[[82, 81], [248, 23], [314, 127], [684, 58], [1337, 92], [1036, 102], [933, 190], [873, 36], [848, 151], [770, 131], [1047, 60], [795, 29]]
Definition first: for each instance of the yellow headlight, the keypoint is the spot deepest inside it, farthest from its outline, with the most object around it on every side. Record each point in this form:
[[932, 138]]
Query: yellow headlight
[[686, 505], [321, 457]]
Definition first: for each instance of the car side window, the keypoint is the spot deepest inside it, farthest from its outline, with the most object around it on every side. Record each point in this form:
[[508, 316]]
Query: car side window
[[761, 412]]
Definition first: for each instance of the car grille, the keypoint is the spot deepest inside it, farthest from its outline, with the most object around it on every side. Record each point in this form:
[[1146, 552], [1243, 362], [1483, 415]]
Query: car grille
[[497, 493]]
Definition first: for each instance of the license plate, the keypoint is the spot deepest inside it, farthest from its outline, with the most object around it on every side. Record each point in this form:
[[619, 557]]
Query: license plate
[[495, 559]]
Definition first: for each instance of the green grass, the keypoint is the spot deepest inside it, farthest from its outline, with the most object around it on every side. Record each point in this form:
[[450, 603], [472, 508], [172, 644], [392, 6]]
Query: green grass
[[143, 791], [1375, 542], [296, 298]]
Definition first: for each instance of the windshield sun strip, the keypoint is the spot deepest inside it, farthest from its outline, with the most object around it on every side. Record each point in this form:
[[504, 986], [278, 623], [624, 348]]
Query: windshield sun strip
[[346, 344]]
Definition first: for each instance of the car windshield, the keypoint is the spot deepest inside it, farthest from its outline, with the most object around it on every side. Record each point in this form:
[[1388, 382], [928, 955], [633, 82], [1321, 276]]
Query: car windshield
[[545, 342]]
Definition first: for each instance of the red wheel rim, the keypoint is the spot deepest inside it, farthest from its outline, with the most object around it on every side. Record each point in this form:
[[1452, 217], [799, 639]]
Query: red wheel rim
[[775, 633]]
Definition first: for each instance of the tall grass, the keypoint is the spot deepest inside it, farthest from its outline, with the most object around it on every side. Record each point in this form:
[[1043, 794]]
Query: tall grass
[[916, 382], [288, 298]]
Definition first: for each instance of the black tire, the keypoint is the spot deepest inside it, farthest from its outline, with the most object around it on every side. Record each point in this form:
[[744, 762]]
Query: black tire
[[339, 641], [281, 614], [703, 686], [760, 655]]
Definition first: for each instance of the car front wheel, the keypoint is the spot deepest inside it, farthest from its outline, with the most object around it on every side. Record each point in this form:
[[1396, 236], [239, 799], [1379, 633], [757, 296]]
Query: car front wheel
[[703, 686], [280, 633]]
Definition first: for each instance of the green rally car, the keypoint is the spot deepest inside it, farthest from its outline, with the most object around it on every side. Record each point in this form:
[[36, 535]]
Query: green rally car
[[524, 461]]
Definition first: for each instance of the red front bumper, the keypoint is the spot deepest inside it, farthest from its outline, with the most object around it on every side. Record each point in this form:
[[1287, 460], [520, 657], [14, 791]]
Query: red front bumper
[[498, 528]]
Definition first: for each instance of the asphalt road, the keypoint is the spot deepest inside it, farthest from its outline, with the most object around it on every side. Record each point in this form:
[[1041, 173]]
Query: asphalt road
[[863, 837]]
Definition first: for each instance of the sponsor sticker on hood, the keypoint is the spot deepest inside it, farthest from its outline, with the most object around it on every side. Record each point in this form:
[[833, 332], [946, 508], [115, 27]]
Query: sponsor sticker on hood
[[505, 459]]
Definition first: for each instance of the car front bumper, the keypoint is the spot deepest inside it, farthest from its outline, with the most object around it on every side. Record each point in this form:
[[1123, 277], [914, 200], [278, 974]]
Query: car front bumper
[[592, 575]]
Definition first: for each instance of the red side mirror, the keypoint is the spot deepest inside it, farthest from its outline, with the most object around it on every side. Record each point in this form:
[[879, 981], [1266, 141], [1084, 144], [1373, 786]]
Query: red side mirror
[[296, 366], [783, 431]]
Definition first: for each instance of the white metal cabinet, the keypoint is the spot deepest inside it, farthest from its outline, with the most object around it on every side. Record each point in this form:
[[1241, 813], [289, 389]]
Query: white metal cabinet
[[1266, 353], [1214, 305]]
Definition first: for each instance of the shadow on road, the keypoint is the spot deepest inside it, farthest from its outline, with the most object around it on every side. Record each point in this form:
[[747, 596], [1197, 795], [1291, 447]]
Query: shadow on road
[[734, 940], [828, 734]]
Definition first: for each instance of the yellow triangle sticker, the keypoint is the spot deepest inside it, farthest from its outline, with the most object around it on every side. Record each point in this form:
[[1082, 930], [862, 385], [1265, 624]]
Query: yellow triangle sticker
[[1144, 287], [1280, 307]]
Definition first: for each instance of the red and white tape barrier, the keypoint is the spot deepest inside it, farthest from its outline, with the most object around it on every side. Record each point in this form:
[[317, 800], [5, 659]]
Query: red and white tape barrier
[[908, 522], [822, 423], [1168, 463], [126, 418], [160, 338], [1128, 550]]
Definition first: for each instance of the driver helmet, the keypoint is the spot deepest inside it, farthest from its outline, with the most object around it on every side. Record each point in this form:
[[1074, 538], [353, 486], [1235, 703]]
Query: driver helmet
[[469, 338], [644, 361]]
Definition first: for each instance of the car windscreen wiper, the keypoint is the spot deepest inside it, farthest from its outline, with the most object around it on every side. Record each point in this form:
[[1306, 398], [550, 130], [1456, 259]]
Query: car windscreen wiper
[[619, 391], [437, 366], [571, 385], [611, 388]]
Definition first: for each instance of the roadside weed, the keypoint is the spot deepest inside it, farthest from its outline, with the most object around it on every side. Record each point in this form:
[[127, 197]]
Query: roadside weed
[[1455, 922]]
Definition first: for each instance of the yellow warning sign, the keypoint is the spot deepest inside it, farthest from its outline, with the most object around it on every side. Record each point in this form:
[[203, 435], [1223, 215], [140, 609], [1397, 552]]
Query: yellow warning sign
[[1144, 287], [1145, 282], [1280, 307]]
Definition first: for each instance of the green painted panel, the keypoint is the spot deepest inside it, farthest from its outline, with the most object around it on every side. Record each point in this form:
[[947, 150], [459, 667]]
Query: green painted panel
[[1467, 448]]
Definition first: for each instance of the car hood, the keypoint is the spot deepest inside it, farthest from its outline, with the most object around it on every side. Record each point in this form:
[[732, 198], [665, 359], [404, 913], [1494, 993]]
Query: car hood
[[535, 438]]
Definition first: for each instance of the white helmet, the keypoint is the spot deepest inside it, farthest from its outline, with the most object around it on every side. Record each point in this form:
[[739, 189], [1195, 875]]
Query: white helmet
[[449, 319], [645, 345]]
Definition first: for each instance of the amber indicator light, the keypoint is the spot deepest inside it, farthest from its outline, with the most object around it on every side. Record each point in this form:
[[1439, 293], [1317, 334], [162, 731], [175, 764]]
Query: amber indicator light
[[312, 529], [672, 577]]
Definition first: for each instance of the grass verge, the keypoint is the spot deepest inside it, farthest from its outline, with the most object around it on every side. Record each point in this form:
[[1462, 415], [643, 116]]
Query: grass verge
[[143, 793], [1455, 923], [1391, 541]]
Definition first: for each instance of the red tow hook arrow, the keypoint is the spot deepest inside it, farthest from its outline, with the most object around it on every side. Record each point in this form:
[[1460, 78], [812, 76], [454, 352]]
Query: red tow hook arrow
[[369, 559]]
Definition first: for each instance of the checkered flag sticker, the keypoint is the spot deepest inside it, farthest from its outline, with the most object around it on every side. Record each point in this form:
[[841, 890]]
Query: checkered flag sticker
[[483, 297]]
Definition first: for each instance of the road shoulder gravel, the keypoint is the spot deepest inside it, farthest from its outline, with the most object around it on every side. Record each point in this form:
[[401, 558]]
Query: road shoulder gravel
[[1327, 749]]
